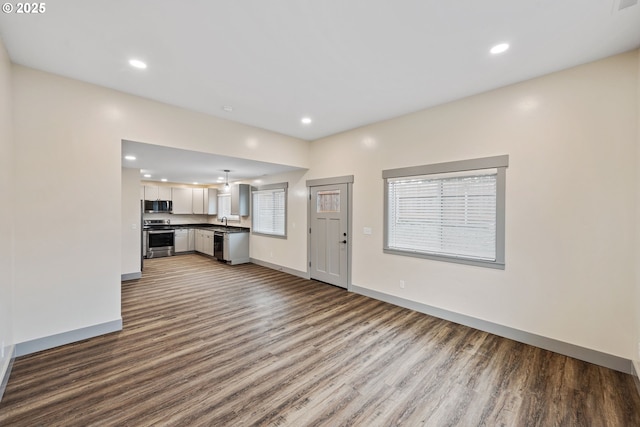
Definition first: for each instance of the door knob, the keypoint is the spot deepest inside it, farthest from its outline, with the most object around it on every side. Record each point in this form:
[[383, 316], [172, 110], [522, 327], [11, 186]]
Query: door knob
[[344, 241]]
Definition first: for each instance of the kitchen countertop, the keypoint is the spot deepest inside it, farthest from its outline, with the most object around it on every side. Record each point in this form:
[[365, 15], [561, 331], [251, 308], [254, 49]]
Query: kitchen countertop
[[206, 226]]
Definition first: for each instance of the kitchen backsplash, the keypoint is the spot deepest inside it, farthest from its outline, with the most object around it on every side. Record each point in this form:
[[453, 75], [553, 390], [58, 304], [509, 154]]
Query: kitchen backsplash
[[197, 219]]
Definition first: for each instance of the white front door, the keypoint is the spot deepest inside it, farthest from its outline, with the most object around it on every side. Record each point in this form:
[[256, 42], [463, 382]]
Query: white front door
[[329, 234]]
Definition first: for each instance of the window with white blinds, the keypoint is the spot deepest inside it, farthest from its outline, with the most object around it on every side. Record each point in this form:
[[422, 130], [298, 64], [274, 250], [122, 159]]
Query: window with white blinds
[[447, 211], [224, 208], [269, 204]]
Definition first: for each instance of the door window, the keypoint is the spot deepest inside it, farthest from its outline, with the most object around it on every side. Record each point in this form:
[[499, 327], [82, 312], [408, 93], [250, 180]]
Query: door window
[[328, 201]]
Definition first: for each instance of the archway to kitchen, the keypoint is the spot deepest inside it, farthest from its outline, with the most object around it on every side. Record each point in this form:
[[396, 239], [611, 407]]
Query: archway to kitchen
[[185, 169]]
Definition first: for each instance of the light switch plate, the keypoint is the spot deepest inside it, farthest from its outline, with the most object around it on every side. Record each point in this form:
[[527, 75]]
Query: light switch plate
[[366, 230]]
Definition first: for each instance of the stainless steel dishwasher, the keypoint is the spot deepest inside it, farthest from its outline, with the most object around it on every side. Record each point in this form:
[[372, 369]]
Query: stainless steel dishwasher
[[218, 245]]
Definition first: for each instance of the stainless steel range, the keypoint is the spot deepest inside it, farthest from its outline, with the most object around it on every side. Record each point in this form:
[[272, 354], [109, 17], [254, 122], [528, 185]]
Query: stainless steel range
[[159, 236]]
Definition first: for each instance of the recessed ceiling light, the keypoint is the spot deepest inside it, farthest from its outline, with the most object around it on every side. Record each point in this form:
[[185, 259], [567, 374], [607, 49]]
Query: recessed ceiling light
[[136, 63], [130, 157], [146, 175], [221, 178], [195, 183], [306, 120], [499, 48], [164, 180], [227, 108]]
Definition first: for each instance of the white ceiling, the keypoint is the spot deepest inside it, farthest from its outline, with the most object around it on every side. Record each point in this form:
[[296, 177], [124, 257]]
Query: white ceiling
[[189, 167], [344, 63]]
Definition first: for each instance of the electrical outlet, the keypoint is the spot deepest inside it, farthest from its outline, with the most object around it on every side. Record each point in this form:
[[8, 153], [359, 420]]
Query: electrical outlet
[[402, 284]]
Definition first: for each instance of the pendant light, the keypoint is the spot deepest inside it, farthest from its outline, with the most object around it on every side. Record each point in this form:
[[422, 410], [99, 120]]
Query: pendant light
[[226, 175]]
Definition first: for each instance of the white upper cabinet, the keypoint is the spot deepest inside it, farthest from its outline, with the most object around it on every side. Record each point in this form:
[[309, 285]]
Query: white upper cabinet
[[198, 200], [240, 197], [154, 192], [182, 200], [164, 193], [186, 201], [151, 192]]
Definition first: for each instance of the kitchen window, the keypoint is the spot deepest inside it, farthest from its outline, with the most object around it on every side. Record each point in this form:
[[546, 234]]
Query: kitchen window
[[224, 208], [448, 211], [269, 216]]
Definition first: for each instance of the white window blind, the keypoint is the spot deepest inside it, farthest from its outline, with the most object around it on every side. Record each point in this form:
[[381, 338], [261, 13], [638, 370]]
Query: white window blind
[[453, 211], [224, 205], [447, 214], [269, 211], [224, 208]]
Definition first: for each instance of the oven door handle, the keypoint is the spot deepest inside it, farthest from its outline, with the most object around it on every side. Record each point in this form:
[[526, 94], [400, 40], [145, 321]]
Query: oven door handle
[[161, 231]]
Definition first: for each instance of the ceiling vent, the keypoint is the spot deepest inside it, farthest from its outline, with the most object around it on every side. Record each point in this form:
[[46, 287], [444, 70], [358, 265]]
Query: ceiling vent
[[627, 3]]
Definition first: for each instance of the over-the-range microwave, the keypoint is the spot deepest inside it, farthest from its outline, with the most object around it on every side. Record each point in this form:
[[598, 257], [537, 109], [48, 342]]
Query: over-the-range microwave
[[158, 206]]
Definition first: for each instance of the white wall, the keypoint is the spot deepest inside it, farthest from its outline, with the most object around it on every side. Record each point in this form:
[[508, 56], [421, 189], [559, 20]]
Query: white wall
[[571, 186], [131, 216], [292, 251], [636, 351], [571, 138], [68, 161], [6, 212]]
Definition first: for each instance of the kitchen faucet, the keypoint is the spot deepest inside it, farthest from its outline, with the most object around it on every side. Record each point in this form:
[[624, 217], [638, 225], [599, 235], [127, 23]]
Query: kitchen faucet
[[224, 219]]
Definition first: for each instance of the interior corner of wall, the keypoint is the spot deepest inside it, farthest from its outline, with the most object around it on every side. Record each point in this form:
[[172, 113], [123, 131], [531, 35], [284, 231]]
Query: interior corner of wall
[[636, 373], [5, 367]]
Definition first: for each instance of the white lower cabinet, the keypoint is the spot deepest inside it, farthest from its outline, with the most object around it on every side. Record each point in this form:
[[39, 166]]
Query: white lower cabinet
[[204, 241], [192, 239], [236, 248], [199, 240], [235, 245], [208, 243], [181, 240]]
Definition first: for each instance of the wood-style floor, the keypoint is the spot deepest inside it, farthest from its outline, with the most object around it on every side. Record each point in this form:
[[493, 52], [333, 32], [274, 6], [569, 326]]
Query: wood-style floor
[[206, 344]]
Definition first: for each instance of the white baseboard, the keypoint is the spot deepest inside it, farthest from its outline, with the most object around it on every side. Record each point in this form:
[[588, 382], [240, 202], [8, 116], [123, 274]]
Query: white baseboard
[[302, 274], [588, 355], [68, 337], [5, 369], [130, 276]]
